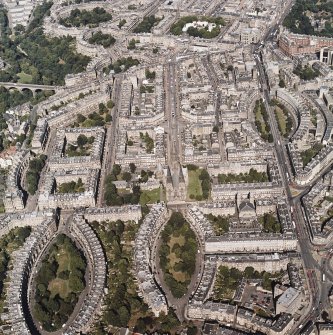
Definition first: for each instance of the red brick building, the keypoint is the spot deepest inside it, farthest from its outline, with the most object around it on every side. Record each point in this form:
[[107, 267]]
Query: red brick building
[[295, 44]]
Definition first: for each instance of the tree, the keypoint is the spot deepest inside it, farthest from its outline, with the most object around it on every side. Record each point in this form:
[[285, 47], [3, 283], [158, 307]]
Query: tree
[[76, 284], [124, 315], [150, 74], [116, 169], [108, 118], [132, 167], [127, 176], [110, 104], [282, 83], [102, 108], [81, 118], [193, 330], [249, 272], [121, 23], [82, 140]]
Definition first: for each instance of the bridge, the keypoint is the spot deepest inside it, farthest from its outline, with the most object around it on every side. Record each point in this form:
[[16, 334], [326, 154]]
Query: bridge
[[32, 87]]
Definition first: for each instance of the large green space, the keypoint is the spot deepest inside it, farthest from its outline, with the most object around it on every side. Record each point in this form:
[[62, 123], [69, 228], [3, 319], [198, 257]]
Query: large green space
[[176, 28], [299, 18], [261, 121], [253, 176], [178, 254], [32, 57], [59, 283], [199, 183], [78, 18], [146, 25], [35, 57], [123, 306]]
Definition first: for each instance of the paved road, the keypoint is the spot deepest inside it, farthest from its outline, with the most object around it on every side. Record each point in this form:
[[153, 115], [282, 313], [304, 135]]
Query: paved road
[[110, 141], [313, 267]]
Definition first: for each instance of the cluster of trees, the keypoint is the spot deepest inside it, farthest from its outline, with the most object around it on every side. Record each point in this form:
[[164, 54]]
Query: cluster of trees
[[111, 196], [144, 175], [228, 279], [203, 32], [150, 74], [51, 309], [46, 60], [121, 23], [78, 18], [308, 154], [106, 40], [270, 223], [186, 253], [306, 72], [147, 24], [252, 177], [83, 142], [71, 187], [119, 301], [149, 142], [131, 44], [146, 89], [15, 239], [122, 303], [299, 22], [288, 120], [220, 223], [261, 121], [122, 64], [94, 119], [33, 174], [204, 177], [177, 28]]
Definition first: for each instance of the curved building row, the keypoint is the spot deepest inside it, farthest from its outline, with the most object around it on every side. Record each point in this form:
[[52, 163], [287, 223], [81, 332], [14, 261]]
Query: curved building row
[[92, 248]]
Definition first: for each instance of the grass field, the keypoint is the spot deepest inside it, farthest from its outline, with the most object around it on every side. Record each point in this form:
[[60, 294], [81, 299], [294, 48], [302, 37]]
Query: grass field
[[259, 117], [194, 184], [24, 78], [58, 285], [173, 259], [150, 197], [281, 119]]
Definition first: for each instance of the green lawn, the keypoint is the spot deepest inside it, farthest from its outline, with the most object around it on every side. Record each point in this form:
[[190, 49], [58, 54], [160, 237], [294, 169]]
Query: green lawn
[[261, 121], [281, 119], [173, 259], [150, 197], [58, 285], [308, 154], [194, 185], [24, 78]]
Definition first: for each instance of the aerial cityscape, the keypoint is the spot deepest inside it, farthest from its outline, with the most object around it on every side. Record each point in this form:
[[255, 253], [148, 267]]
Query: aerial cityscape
[[166, 167]]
